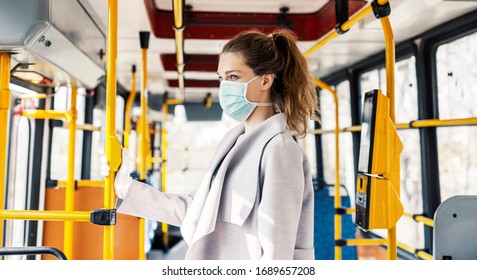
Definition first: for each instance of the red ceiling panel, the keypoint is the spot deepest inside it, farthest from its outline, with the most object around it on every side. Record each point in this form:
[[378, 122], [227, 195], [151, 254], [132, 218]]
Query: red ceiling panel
[[195, 83], [214, 25], [193, 62]]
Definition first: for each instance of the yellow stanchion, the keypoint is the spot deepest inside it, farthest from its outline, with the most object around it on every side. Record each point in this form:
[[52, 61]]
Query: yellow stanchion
[[129, 103], [5, 103], [178, 26], [144, 137], [390, 61], [164, 144], [113, 146], [337, 199], [70, 184]]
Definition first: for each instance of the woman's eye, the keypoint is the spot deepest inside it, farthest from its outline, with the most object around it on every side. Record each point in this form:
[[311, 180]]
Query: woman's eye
[[220, 79], [234, 77]]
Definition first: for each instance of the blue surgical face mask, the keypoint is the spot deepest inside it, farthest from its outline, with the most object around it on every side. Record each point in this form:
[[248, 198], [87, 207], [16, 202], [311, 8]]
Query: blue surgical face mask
[[234, 102]]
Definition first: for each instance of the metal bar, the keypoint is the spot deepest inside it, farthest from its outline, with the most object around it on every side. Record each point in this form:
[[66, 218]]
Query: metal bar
[[129, 103], [337, 199], [145, 140], [83, 183], [45, 215], [164, 145], [5, 104], [178, 26], [365, 242], [9, 251], [390, 63], [33, 96], [45, 114], [421, 219], [86, 127], [111, 55], [421, 254], [413, 124], [70, 185], [345, 26]]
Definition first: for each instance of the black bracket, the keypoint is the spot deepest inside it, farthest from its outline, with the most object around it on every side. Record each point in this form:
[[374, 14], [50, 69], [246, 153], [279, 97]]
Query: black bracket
[[340, 242], [381, 11], [103, 217], [342, 15], [339, 29], [340, 211]]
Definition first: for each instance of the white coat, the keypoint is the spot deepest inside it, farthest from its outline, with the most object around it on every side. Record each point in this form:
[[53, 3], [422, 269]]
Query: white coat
[[259, 205]]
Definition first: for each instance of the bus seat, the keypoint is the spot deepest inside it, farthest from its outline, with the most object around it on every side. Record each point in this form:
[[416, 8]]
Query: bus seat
[[324, 241], [455, 229]]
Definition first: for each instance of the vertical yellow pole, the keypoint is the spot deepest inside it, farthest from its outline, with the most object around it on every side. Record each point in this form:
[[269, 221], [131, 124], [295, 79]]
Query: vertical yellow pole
[[5, 101], [165, 229], [390, 61], [70, 184], [111, 54], [129, 102], [145, 142], [337, 200]]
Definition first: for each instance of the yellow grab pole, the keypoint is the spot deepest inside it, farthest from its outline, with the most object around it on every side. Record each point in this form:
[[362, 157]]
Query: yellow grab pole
[[70, 184], [5, 101], [390, 61], [113, 147], [337, 200], [145, 141], [165, 229], [345, 27], [178, 26], [129, 102]]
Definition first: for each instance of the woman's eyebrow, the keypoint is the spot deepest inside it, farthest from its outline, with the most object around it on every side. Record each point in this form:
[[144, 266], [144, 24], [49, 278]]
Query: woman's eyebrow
[[230, 71]]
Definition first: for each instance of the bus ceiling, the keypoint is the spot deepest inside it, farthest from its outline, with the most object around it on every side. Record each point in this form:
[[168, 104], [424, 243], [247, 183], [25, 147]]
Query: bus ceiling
[[58, 43]]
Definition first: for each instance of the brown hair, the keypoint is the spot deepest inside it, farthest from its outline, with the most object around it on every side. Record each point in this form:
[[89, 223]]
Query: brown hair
[[293, 90]]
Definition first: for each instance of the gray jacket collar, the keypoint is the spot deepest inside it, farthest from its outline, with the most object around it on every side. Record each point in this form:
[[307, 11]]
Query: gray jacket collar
[[202, 214]]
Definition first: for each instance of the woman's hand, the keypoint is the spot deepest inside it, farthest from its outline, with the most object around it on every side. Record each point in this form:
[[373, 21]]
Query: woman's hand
[[122, 182]]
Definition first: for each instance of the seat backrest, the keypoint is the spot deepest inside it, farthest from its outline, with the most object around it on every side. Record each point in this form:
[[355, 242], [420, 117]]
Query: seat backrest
[[455, 229]]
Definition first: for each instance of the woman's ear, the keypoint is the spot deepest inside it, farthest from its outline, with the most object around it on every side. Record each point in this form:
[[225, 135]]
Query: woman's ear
[[267, 81]]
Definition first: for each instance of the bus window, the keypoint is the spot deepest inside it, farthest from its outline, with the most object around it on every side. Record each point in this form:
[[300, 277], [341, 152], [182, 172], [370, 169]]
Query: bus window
[[457, 98], [346, 141], [308, 145], [59, 148], [97, 142], [409, 232]]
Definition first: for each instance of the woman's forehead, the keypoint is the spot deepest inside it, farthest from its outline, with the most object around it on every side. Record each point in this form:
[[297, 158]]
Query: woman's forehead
[[232, 61]]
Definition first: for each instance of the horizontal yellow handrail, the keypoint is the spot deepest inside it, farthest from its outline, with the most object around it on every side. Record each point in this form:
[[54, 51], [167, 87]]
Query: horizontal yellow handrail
[[45, 215], [156, 160], [421, 254], [345, 27], [413, 124], [83, 183], [419, 218], [365, 242], [45, 114], [33, 96], [87, 127]]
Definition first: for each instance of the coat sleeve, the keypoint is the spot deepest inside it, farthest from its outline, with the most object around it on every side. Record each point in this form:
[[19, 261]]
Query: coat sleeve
[[146, 202], [281, 207]]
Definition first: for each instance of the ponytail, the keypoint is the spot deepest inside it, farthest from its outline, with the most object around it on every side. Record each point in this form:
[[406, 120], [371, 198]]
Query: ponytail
[[293, 91]]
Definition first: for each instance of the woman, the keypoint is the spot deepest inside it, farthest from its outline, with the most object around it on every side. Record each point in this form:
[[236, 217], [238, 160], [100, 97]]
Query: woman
[[256, 200]]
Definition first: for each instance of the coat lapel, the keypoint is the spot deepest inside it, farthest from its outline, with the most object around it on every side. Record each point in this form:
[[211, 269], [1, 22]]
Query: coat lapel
[[240, 173]]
